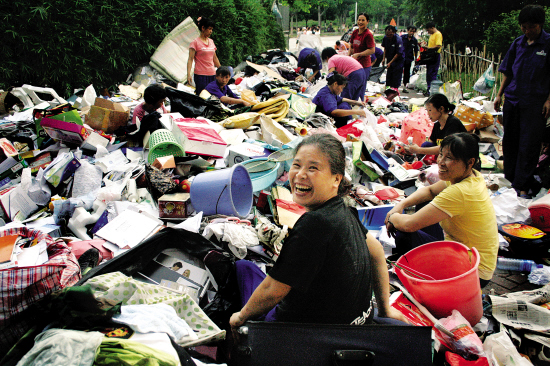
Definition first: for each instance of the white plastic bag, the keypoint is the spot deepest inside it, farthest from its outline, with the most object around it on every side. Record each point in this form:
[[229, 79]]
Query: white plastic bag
[[500, 351], [486, 81]]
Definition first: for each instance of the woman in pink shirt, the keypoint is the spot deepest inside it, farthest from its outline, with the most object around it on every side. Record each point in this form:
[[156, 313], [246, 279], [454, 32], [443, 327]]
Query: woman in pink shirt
[[203, 51], [351, 69]]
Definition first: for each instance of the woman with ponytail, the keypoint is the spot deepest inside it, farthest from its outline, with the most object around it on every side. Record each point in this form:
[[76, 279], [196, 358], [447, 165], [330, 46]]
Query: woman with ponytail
[[440, 111]]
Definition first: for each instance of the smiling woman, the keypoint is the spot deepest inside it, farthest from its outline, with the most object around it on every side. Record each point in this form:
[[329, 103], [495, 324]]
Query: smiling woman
[[459, 202], [325, 250]]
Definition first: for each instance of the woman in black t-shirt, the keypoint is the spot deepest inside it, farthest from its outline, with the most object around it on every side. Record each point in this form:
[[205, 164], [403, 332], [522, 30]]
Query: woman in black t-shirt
[[325, 272], [440, 111]]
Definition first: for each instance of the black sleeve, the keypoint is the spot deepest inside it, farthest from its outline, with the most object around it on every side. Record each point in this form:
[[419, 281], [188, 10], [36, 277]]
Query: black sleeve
[[303, 253], [454, 125]]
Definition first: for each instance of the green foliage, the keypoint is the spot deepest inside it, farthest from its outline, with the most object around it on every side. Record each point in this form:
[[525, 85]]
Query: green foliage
[[502, 32], [69, 44]]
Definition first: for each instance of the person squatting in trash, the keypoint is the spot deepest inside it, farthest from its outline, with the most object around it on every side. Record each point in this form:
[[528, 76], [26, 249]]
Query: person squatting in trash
[[440, 111], [459, 207], [393, 57], [362, 44], [310, 58], [410, 44], [220, 89], [435, 42], [351, 69], [329, 101], [526, 86], [153, 96], [330, 264], [377, 57], [202, 50]]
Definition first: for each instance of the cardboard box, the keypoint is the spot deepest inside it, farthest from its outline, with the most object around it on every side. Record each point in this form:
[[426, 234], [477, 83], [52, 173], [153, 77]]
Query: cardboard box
[[107, 116], [487, 135], [174, 205], [65, 131], [245, 151]]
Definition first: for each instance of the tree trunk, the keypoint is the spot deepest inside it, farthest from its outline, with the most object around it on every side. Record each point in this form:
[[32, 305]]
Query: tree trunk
[[319, 16], [398, 19]]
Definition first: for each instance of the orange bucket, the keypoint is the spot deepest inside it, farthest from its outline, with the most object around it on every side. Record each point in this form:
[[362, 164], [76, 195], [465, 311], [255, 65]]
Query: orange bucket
[[451, 279]]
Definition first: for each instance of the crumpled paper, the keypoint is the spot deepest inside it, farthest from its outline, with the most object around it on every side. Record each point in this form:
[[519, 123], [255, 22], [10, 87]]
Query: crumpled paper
[[509, 207]]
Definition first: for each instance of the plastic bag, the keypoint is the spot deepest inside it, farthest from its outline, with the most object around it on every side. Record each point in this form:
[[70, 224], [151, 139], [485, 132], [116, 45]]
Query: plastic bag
[[465, 341], [249, 96], [540, 276], [421, 83], [486, 81], [191, 105], [501, 351], [418, 126]]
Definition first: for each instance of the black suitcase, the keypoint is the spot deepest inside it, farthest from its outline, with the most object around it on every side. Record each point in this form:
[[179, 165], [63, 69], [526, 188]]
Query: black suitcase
[[288, 344]]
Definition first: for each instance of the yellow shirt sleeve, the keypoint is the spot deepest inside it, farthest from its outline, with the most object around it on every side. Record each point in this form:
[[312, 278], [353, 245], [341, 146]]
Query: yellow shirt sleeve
[[436, 39]]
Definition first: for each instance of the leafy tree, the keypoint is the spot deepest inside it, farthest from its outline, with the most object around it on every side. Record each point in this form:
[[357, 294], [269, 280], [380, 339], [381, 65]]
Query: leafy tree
[[69, 44], [502, 32], [464, 22]]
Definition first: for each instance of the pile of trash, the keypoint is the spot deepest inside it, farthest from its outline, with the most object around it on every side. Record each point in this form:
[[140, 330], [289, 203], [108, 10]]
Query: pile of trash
[[97, 212]]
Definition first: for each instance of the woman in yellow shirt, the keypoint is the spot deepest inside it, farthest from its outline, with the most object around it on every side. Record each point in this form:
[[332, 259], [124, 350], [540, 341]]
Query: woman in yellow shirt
[[459, 203]]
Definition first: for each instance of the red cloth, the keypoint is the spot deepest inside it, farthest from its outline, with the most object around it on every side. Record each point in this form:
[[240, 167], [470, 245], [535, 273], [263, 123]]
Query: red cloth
[[21, 287]]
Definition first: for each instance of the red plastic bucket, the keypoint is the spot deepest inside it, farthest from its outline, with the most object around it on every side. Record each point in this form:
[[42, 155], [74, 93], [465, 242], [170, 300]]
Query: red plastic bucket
[[455, 285]]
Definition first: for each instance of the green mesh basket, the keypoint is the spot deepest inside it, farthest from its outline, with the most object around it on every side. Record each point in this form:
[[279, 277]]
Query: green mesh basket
[[163, 143]]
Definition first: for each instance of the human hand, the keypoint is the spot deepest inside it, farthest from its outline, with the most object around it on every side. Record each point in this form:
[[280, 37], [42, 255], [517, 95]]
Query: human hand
[[497, 102], [394, 314], [546, 109], [189, 80], [411, 149], [235, 322], [361, 103], [355, 56], [311, 78], [246, 104]]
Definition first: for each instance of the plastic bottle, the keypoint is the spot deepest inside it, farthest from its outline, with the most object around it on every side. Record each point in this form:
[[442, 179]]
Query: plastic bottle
[[511, 264]]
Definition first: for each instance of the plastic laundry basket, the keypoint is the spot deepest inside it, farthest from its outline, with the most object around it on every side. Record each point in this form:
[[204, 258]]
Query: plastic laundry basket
[[455, 285], [163, 143]]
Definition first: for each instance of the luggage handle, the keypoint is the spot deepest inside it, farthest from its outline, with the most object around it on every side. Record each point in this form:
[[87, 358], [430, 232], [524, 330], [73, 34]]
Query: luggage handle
[[352, 357]]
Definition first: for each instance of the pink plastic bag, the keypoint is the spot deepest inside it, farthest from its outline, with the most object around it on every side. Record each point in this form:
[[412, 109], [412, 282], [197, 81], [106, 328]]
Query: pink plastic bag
[[418, 125], [465, 342]]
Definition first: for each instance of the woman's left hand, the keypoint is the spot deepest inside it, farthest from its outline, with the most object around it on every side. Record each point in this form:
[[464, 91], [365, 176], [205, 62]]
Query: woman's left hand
[[361, 103]]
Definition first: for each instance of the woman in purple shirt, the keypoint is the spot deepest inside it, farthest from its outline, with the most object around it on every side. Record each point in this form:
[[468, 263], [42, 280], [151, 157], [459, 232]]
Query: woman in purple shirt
[[329, 101], [526, 87]]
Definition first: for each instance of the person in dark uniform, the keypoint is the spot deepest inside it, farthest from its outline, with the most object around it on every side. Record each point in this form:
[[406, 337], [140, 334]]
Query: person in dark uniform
[[410, 43], [393, 57]]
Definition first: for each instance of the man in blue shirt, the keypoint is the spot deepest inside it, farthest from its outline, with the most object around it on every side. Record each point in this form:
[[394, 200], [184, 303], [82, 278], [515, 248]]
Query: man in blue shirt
[[393, 56], [220, 89], [410, 43], [526, 87], [309, 58]]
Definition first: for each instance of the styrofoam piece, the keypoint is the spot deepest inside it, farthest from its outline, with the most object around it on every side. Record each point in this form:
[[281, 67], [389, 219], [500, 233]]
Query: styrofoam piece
[[32, 90]]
